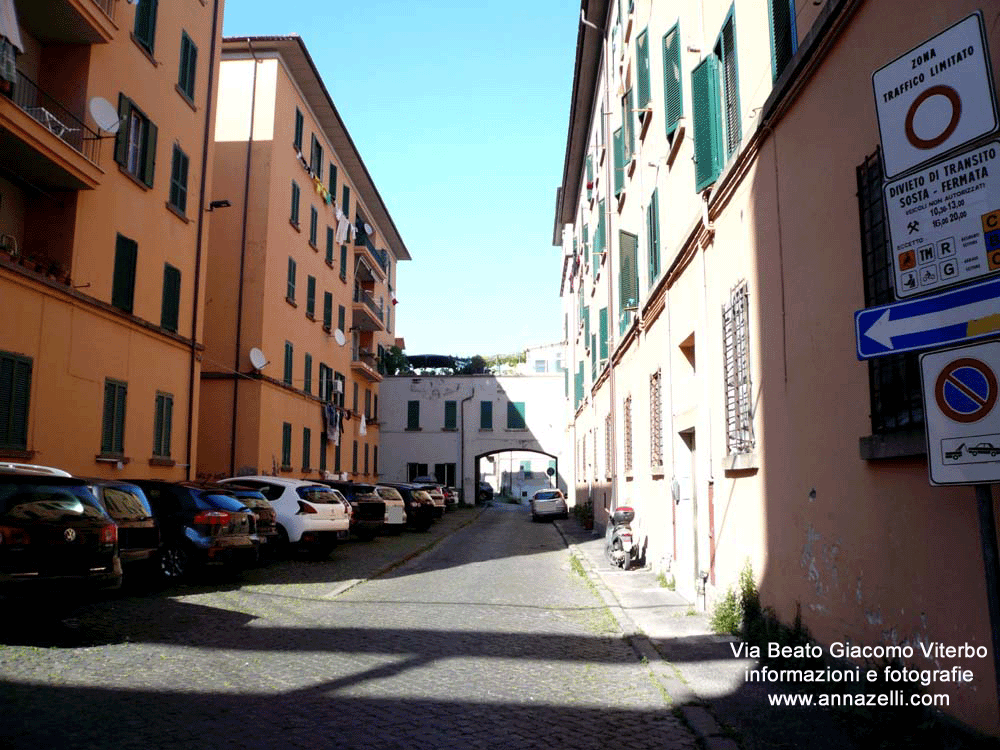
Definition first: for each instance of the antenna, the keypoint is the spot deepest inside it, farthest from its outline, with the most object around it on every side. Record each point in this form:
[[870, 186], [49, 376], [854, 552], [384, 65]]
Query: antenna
[[257, 359], [339, 337], [105, 115]]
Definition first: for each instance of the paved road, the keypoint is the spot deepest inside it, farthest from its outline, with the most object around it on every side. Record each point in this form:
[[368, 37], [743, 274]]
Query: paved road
[[488, 640]]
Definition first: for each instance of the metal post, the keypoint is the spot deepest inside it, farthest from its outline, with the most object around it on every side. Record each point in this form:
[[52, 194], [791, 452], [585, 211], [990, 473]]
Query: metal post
[[991, 564]]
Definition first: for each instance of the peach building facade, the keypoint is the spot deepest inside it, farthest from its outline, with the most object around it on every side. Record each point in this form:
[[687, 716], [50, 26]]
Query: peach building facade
[[720, 218], [102, 231], [302, 269]]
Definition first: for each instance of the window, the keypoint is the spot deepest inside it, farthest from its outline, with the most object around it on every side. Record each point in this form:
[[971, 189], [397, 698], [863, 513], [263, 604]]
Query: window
[[707, 122], [593, 357], [375, 405], [642, 71], [893, 380], [287, 377], [619, 149], [628, 121], [602, 319], [672, 95], [600, 236], [515, 415], [299, 122], [368, 404], [135, 144], [170, 309], [366, 459], [653, 237], [629, 279], [290, 291], [311, 296], [145, 24], [627, 416], [306, 444], [113, 423], [736, 358], [15, 394], [784, 40], [163, 415], [590, 176], [179, 180], [347, 201], [578, 386], [307, 378], [526, 469], [316, 158], [354, 406], [485, 415], [725, 51], [327, 310], [375, 460], [188, 66], [324, 382], [341, 317], [451, 415], [607, 446], [286, 446], [541, 366], [343, 262], [413, 415], [322, 450], [414, 470], [333, 179], [655, 420], [329, 246], [354, 458], [313, 226], [123, 280], [336, 457], [338, 398], [294, 217]]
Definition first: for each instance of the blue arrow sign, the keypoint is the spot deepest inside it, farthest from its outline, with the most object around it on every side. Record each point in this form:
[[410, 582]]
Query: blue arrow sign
[[952, 317]]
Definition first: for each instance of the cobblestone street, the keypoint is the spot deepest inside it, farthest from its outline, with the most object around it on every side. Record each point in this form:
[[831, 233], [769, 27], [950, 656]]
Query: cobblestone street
[[488, 639]]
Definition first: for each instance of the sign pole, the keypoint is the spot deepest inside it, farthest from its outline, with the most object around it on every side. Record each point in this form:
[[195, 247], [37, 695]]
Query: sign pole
[[991, 563]]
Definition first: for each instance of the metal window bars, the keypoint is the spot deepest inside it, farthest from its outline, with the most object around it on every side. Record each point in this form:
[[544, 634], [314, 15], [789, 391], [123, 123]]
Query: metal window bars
[[736, 357], [627, 416], [655, 419]]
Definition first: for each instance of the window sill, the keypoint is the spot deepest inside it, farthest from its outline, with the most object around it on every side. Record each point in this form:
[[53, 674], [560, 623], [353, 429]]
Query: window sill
[[177, 212], [311, 316], [657, 471], [629, 476], [330, 263], [645, 117], [675, 146], [905, 444], [486, 429], [285, 468], [290, 301], [17, 453], [187, 99], [146, 53], [314, 246], [104, 458], [343, 277], [295, 225], [741, 462], [132, 177], [162, 461], [414, 429], [449, 429]]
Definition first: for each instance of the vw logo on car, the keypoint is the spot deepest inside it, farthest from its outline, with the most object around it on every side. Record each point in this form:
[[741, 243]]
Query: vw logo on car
[[69, 535]]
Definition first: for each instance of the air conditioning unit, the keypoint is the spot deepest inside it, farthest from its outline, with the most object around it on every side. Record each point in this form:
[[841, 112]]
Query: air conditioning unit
[[338, 386]]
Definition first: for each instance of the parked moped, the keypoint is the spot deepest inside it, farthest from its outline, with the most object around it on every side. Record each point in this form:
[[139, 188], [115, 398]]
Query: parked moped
[[619, 546]]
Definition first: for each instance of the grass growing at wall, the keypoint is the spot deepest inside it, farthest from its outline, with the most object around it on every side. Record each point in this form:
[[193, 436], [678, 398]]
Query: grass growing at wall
[[738, 612]]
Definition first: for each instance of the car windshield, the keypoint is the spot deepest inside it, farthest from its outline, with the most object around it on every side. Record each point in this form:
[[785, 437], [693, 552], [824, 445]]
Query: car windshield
[[46, 502], [125, 503], [389, 493], [420, 495], [319, 495], [212, 501], [253, 500], [550, 495]]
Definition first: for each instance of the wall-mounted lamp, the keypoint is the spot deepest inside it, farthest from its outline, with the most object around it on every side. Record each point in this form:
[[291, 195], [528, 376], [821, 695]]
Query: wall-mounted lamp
[[218, 204]]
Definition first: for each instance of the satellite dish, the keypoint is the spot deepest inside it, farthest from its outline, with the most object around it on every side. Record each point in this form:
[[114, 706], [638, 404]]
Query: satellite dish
[[257, 359], [105, 115], [369, 229], [339, 337]]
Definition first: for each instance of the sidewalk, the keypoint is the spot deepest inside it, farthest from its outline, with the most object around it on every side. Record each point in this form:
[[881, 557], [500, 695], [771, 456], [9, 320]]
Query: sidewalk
[[697, 667]]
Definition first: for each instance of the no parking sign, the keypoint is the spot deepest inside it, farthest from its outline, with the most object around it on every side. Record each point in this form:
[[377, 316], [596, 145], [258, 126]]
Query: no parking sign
[[962, 414]]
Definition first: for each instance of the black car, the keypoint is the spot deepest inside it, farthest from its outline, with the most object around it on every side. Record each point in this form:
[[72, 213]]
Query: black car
[[54, 534], [367, 508], [485, 492], [138, 534], [264, 515], [420, 511], [199, 525]]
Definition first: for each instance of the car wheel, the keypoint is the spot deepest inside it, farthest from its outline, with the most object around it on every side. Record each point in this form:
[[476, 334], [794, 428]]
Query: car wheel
[[175, 562]]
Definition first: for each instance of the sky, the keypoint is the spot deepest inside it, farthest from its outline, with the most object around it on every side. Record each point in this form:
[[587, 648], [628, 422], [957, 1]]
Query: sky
[[460, 112]]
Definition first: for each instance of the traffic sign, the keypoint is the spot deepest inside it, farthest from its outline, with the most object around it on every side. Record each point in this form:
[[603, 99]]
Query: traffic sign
[[944, 221], [935, 98], [961, 414], [953, 316]]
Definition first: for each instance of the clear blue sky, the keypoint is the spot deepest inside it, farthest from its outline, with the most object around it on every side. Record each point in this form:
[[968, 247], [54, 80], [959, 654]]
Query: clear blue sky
[[460, 111]]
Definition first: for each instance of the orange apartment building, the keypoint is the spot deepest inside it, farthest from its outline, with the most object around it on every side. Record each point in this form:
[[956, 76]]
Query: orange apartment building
[[103, 231], [301, 269]]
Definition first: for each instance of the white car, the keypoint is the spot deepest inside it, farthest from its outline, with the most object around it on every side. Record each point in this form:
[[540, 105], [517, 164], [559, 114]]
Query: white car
[[308, 514], [395, 509], [548, 503]]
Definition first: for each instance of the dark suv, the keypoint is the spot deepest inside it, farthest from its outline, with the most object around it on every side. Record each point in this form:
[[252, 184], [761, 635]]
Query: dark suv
[[54, 534], [367, 508], [199, 525], [138, 534]]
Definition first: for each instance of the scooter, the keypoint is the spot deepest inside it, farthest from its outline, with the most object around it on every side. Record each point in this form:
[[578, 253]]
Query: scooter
[[618, 544]]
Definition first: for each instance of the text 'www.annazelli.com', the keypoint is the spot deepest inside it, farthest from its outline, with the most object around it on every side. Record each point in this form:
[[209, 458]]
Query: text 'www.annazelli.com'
[[833, 700]]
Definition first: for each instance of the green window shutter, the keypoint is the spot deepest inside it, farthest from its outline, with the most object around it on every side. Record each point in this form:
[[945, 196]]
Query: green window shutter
[[162, 424], [316, 157], [672, 95], [413, 415], [15, 394], [619, 149], [628, 113], [121, 139], [450, 415], [313, 226], [307, 377], [600, 238], [343, 262], [306, 444], [149, 154], [707, 122], [593, 357], [347, 202], [294, 217], [290, 291], [725, 50], [287, 375], [113, 423], [321, 440], [590, 176], [629, 278], [642, 71], [327, 310], [179, 180], [516, 415], [286, 444], [579, 384], [342, 318], [123, 280], [485, 415], [170, 310], [783, 35], [653, 236], [333, 179], [299, 122], [188, 66], [145, 24], [311, 296], [586, 323], [603, 331], [566, 383], [329, 246]]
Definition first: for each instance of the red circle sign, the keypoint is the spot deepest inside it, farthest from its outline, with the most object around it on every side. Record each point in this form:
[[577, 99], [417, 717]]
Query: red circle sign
[[956, 114], [966, 390]]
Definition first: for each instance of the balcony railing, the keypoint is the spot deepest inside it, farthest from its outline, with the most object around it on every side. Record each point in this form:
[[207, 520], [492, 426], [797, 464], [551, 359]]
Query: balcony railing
[[108, 6], [366, 298], [54, 116], [381, 256]]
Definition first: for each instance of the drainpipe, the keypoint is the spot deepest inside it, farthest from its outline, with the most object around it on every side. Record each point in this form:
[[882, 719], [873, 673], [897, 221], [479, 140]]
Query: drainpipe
[[243, 255], [201, 225], [461, 447], [613, 412]]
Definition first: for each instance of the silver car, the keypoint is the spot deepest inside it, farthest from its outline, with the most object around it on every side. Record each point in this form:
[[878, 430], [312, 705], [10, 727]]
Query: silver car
[[548, 504]]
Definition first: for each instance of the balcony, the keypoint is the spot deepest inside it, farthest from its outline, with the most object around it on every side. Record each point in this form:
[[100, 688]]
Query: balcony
[[365, 364], [368, 271], [43, 143], [367, 314], [68, 21]]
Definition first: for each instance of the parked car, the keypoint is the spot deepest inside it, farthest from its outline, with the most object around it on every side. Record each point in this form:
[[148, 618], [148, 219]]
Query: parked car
[[264, 515], [395, 509], [433, 488], [548, 504], [138, 532], [367, 508], [984, 449], [420, 509], [54, 534], [485, 492], [311, 516], [199, 525]]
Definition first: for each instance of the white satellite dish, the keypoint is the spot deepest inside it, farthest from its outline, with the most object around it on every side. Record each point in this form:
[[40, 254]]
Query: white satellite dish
[[339, 337], [257, 359], [105, 115], [369, 229]]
